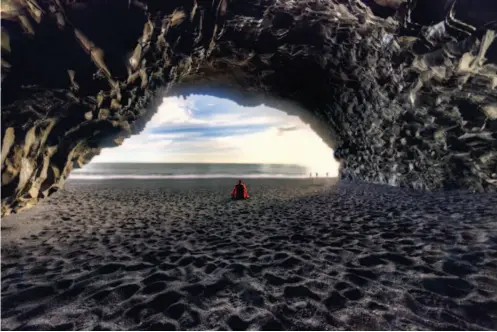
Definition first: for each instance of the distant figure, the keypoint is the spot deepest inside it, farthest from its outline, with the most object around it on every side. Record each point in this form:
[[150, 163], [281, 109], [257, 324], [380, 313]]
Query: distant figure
[[316, 174], [326, 174], [240, 191]]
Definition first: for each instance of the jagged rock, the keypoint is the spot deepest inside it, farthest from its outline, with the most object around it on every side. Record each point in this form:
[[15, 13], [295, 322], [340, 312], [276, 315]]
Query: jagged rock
[[404, 91]]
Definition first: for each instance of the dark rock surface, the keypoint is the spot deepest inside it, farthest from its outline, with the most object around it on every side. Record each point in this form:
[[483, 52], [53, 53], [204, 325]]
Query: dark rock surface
[[404, 91]]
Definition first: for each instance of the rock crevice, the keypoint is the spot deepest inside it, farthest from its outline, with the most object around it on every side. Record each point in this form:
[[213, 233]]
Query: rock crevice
[[404, 91]]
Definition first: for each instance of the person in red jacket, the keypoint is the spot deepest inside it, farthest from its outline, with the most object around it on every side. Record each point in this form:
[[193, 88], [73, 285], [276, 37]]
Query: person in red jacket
[[240, 191]]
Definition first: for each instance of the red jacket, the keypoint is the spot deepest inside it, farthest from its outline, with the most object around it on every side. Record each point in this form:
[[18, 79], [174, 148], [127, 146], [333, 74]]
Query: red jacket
[[243, 194]]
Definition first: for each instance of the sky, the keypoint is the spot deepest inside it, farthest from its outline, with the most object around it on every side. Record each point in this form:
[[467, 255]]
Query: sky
[[214, 130]]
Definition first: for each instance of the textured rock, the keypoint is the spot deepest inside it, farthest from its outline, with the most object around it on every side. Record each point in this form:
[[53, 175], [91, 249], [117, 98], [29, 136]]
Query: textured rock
[[404, 91]]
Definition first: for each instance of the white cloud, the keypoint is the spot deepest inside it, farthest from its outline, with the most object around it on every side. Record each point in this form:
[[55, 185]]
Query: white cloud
[[173, 110], [273, 145], [302, 147]]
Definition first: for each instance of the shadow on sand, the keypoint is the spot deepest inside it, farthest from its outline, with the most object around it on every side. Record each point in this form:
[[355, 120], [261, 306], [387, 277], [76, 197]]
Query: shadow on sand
[[346, 256]]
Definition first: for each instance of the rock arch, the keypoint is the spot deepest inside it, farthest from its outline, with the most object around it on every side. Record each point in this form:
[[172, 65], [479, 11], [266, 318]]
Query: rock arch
[[405, 91]]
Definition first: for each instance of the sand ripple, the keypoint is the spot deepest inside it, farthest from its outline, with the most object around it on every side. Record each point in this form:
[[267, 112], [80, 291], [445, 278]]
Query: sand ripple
[[299, 255]]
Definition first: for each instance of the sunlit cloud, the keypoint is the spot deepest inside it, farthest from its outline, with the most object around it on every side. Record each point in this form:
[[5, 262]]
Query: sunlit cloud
[[208, 129]]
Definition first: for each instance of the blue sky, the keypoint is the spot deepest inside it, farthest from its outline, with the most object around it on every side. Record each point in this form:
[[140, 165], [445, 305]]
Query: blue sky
[[209, 129]]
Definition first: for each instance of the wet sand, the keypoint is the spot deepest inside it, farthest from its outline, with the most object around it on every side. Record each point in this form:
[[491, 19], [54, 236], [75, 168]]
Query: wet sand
[[300, 254]]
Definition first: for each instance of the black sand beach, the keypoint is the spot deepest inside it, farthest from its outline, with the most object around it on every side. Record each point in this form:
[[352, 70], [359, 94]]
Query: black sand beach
[[300, 254]]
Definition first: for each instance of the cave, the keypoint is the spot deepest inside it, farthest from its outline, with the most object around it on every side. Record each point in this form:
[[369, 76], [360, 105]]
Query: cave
[[403, 91]]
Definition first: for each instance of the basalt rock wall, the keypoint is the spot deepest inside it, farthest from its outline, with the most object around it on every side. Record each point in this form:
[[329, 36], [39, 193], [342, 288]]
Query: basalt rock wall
[[404, 91]]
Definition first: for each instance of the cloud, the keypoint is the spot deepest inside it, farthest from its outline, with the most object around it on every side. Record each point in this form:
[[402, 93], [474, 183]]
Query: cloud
[[173, 111], [282, 130], [209, 129]]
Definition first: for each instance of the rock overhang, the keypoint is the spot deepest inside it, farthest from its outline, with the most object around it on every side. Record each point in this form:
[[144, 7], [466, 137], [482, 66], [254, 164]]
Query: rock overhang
[[404, 98]]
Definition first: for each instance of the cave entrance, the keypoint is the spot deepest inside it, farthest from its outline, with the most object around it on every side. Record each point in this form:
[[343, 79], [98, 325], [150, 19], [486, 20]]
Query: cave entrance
[[209, 136], [405, 101]]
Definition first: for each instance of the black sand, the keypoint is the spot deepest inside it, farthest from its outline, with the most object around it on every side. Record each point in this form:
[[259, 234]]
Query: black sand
[[300, 254]]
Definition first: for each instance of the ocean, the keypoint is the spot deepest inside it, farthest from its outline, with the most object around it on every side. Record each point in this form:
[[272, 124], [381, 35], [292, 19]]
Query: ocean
[[103, 171]]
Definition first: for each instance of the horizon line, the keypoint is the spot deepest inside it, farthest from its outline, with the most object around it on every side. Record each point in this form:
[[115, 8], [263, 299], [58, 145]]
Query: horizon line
[[181, 162]]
